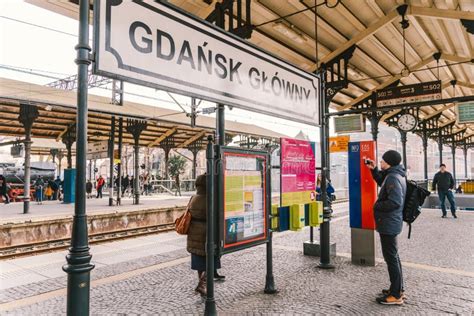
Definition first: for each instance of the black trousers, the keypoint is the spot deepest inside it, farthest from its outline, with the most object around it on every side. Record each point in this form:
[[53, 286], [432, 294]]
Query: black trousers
[[394, 265], [6, 198], [99, 192]]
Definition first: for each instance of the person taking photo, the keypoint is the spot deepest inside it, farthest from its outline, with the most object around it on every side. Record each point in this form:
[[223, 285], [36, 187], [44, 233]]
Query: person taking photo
[[388, 214]]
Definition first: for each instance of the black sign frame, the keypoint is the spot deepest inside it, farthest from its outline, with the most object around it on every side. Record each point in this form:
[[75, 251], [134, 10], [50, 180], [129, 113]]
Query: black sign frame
[[225, 150]]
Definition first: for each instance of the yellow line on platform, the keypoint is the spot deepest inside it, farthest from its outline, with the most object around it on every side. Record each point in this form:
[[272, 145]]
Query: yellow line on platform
[[114, 278], [404, 263]]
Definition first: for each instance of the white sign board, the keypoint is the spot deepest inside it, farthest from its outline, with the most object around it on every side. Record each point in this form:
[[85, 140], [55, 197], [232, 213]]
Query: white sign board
[[158, 45], [99, 155], [98, 147]]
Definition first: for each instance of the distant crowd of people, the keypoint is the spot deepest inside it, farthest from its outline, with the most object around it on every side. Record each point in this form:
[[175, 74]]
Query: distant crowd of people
[[43, 189], [127, 186]]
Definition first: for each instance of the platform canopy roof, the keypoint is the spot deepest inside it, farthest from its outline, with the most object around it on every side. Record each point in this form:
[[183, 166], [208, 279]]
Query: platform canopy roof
[[435, 27], [57, 113]]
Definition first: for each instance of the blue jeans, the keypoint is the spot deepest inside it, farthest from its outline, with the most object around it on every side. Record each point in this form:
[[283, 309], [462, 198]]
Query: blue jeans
[[442, 198]]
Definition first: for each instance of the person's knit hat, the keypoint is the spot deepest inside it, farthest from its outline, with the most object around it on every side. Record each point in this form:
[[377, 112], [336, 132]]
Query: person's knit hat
[[392, 157]]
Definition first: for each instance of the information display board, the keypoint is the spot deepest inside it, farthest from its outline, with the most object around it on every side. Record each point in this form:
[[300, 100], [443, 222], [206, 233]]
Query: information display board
[[349, 124], [425, 91], [246, 198], [362, 187], [298, 176], [465, 112]]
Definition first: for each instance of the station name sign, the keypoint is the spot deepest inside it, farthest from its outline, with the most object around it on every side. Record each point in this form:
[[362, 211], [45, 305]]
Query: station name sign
[[155, 44], [425, 91]]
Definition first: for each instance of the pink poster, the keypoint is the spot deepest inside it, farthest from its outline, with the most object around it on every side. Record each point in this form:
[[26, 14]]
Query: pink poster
[[298, 162]]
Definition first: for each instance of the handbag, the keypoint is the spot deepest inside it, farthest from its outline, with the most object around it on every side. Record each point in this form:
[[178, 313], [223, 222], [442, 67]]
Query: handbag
[[182, 223]]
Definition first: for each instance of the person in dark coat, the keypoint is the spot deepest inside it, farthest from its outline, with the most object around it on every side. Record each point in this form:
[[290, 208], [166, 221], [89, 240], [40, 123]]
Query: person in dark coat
[[89, 189], [388, 214], [125, 184], [444, 181], [196, 243], [4, 189], [39, 190], [56, 188]]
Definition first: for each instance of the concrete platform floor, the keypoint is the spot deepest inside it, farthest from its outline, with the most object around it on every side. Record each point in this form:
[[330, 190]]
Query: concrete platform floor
[[151, 275]]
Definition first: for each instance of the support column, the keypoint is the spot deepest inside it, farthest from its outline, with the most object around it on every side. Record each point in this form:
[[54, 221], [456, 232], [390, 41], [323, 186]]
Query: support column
[[424, 139], [78, 265], [111, 157], [440, 148], [119, 165], [90, 170], [220, 125], [28, 114], [403, 138], [324, 232], [68, 139], [195, 147], [167, 158], [210, 305], [453, 151], [465, 160], [60, 159], [136, 127], [374, 127]]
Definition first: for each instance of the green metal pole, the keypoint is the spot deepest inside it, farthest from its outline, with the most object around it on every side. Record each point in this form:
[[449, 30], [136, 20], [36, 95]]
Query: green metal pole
[[119, 165], [403, 137], [136, 180], [269, 279], [465, 159], [324, 232], [210, 308], [78, 265], [111, 162]]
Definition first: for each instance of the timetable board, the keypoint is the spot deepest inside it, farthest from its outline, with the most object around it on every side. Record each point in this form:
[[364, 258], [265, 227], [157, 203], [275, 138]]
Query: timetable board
[[244, 222]]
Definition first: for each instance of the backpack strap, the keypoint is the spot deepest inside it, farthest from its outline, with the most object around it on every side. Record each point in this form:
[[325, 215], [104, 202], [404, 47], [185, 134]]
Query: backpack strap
[[409, 230]]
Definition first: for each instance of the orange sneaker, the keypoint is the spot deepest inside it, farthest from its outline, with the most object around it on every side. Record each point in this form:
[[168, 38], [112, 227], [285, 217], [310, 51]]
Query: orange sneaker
[[390, 300]]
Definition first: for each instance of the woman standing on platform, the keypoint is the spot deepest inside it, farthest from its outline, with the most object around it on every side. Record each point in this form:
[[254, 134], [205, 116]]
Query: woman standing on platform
[[197, 234]]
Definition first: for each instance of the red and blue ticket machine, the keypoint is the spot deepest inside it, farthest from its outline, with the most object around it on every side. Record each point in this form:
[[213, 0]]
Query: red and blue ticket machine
[[362, 187]]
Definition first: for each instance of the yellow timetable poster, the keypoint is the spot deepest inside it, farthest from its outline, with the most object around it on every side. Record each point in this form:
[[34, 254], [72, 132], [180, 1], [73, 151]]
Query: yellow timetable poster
[[244, 200]]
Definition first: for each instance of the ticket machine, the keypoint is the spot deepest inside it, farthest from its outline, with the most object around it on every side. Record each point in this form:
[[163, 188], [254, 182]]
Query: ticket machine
[[362, 196]]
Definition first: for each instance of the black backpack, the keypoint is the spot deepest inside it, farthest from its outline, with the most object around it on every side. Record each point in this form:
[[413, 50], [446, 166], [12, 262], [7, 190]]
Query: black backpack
[[414, 199]]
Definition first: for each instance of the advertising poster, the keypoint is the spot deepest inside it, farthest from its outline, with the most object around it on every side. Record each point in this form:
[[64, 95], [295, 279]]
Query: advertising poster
[[244, 198], [298, 176]]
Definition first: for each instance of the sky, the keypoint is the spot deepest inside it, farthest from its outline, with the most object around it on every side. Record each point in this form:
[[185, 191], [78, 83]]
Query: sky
[[37, 40]]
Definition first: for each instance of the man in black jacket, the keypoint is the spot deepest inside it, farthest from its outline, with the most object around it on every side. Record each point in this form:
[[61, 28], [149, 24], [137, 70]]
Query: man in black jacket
[[388, 214], [445, 182]]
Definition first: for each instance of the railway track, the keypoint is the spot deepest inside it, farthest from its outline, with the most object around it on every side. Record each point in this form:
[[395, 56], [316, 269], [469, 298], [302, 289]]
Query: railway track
[[60, 244]]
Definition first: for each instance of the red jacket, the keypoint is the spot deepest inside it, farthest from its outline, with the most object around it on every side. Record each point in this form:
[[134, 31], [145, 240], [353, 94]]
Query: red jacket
[[100, 182]]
